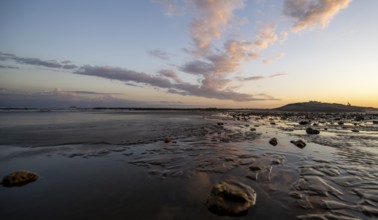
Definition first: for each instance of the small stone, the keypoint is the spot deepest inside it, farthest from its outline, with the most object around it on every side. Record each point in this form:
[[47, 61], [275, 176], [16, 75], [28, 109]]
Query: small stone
[[167, 140], [355, 130], [273, 141], [253, 129], [303, 122], [299, 143], [312, 131], [19, 178], [231, 198], [254, 168]]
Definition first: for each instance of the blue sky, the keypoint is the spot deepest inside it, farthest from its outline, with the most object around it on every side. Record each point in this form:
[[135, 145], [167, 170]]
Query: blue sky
[[189, 53]]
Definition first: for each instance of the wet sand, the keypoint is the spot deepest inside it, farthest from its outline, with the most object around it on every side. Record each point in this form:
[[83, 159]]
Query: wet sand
[[117, 165]]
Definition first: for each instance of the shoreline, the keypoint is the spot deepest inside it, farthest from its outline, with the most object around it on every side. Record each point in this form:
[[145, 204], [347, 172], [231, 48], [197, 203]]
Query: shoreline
[[172, 180]]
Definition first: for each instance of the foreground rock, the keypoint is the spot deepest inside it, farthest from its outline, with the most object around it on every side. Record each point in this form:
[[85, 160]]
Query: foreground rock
[[299, 143], [19, 178], [231, 198], [312, 131], [273, 141]]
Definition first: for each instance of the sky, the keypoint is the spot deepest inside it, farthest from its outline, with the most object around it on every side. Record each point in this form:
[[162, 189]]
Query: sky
[[187, 53]]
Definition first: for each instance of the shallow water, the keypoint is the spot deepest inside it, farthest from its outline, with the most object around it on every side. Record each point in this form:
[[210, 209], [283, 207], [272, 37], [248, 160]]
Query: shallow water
[[116, 165]]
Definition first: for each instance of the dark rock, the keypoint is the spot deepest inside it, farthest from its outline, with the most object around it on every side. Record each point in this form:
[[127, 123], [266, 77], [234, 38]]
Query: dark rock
[[253, 129], [231, 198], [312, 131], [303, 122], [299, 143], [167, 140], [254, 168], [273, 141], [273, 123], [19, 178], [355, 130]]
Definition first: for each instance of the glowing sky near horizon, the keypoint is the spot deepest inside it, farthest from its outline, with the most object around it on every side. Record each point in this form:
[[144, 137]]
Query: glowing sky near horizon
[[187, 53]]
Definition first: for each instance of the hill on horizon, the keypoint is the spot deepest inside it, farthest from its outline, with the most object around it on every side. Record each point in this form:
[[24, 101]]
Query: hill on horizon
[[314, 106]]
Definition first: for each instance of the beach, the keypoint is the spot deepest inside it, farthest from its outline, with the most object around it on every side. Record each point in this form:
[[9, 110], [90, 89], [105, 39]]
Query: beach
[[162, 164]]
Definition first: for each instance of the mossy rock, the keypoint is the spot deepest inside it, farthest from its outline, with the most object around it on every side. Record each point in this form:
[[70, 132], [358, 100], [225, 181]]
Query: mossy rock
[[19, 178], [231, 198]]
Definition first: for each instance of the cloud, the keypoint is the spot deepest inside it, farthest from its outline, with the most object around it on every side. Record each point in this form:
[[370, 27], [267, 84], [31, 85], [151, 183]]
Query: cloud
[[158, 54], [8, 67], [131, 84], [171, 7], [266, 36], [170, 102], [277, 74], [36, 61], [212, 20], [169, 74], [123, 75], [162, 82], [212, 65], [197, 67], [211, 86], [59, 98], [251, 78], [312, 13], [256, 78], [277, 57], [93, 93]]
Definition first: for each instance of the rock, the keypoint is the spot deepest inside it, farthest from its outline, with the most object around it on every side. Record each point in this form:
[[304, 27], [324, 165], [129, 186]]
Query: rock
[[355, 130], [299, 143], [273, 141], [254, 168], [312, 131], [303, 122], [167, 140], [273, 123], [253, 129], [19, 178], [231, 198]]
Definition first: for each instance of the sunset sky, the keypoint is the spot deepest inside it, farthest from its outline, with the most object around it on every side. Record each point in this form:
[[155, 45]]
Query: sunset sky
[[187, 53]]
